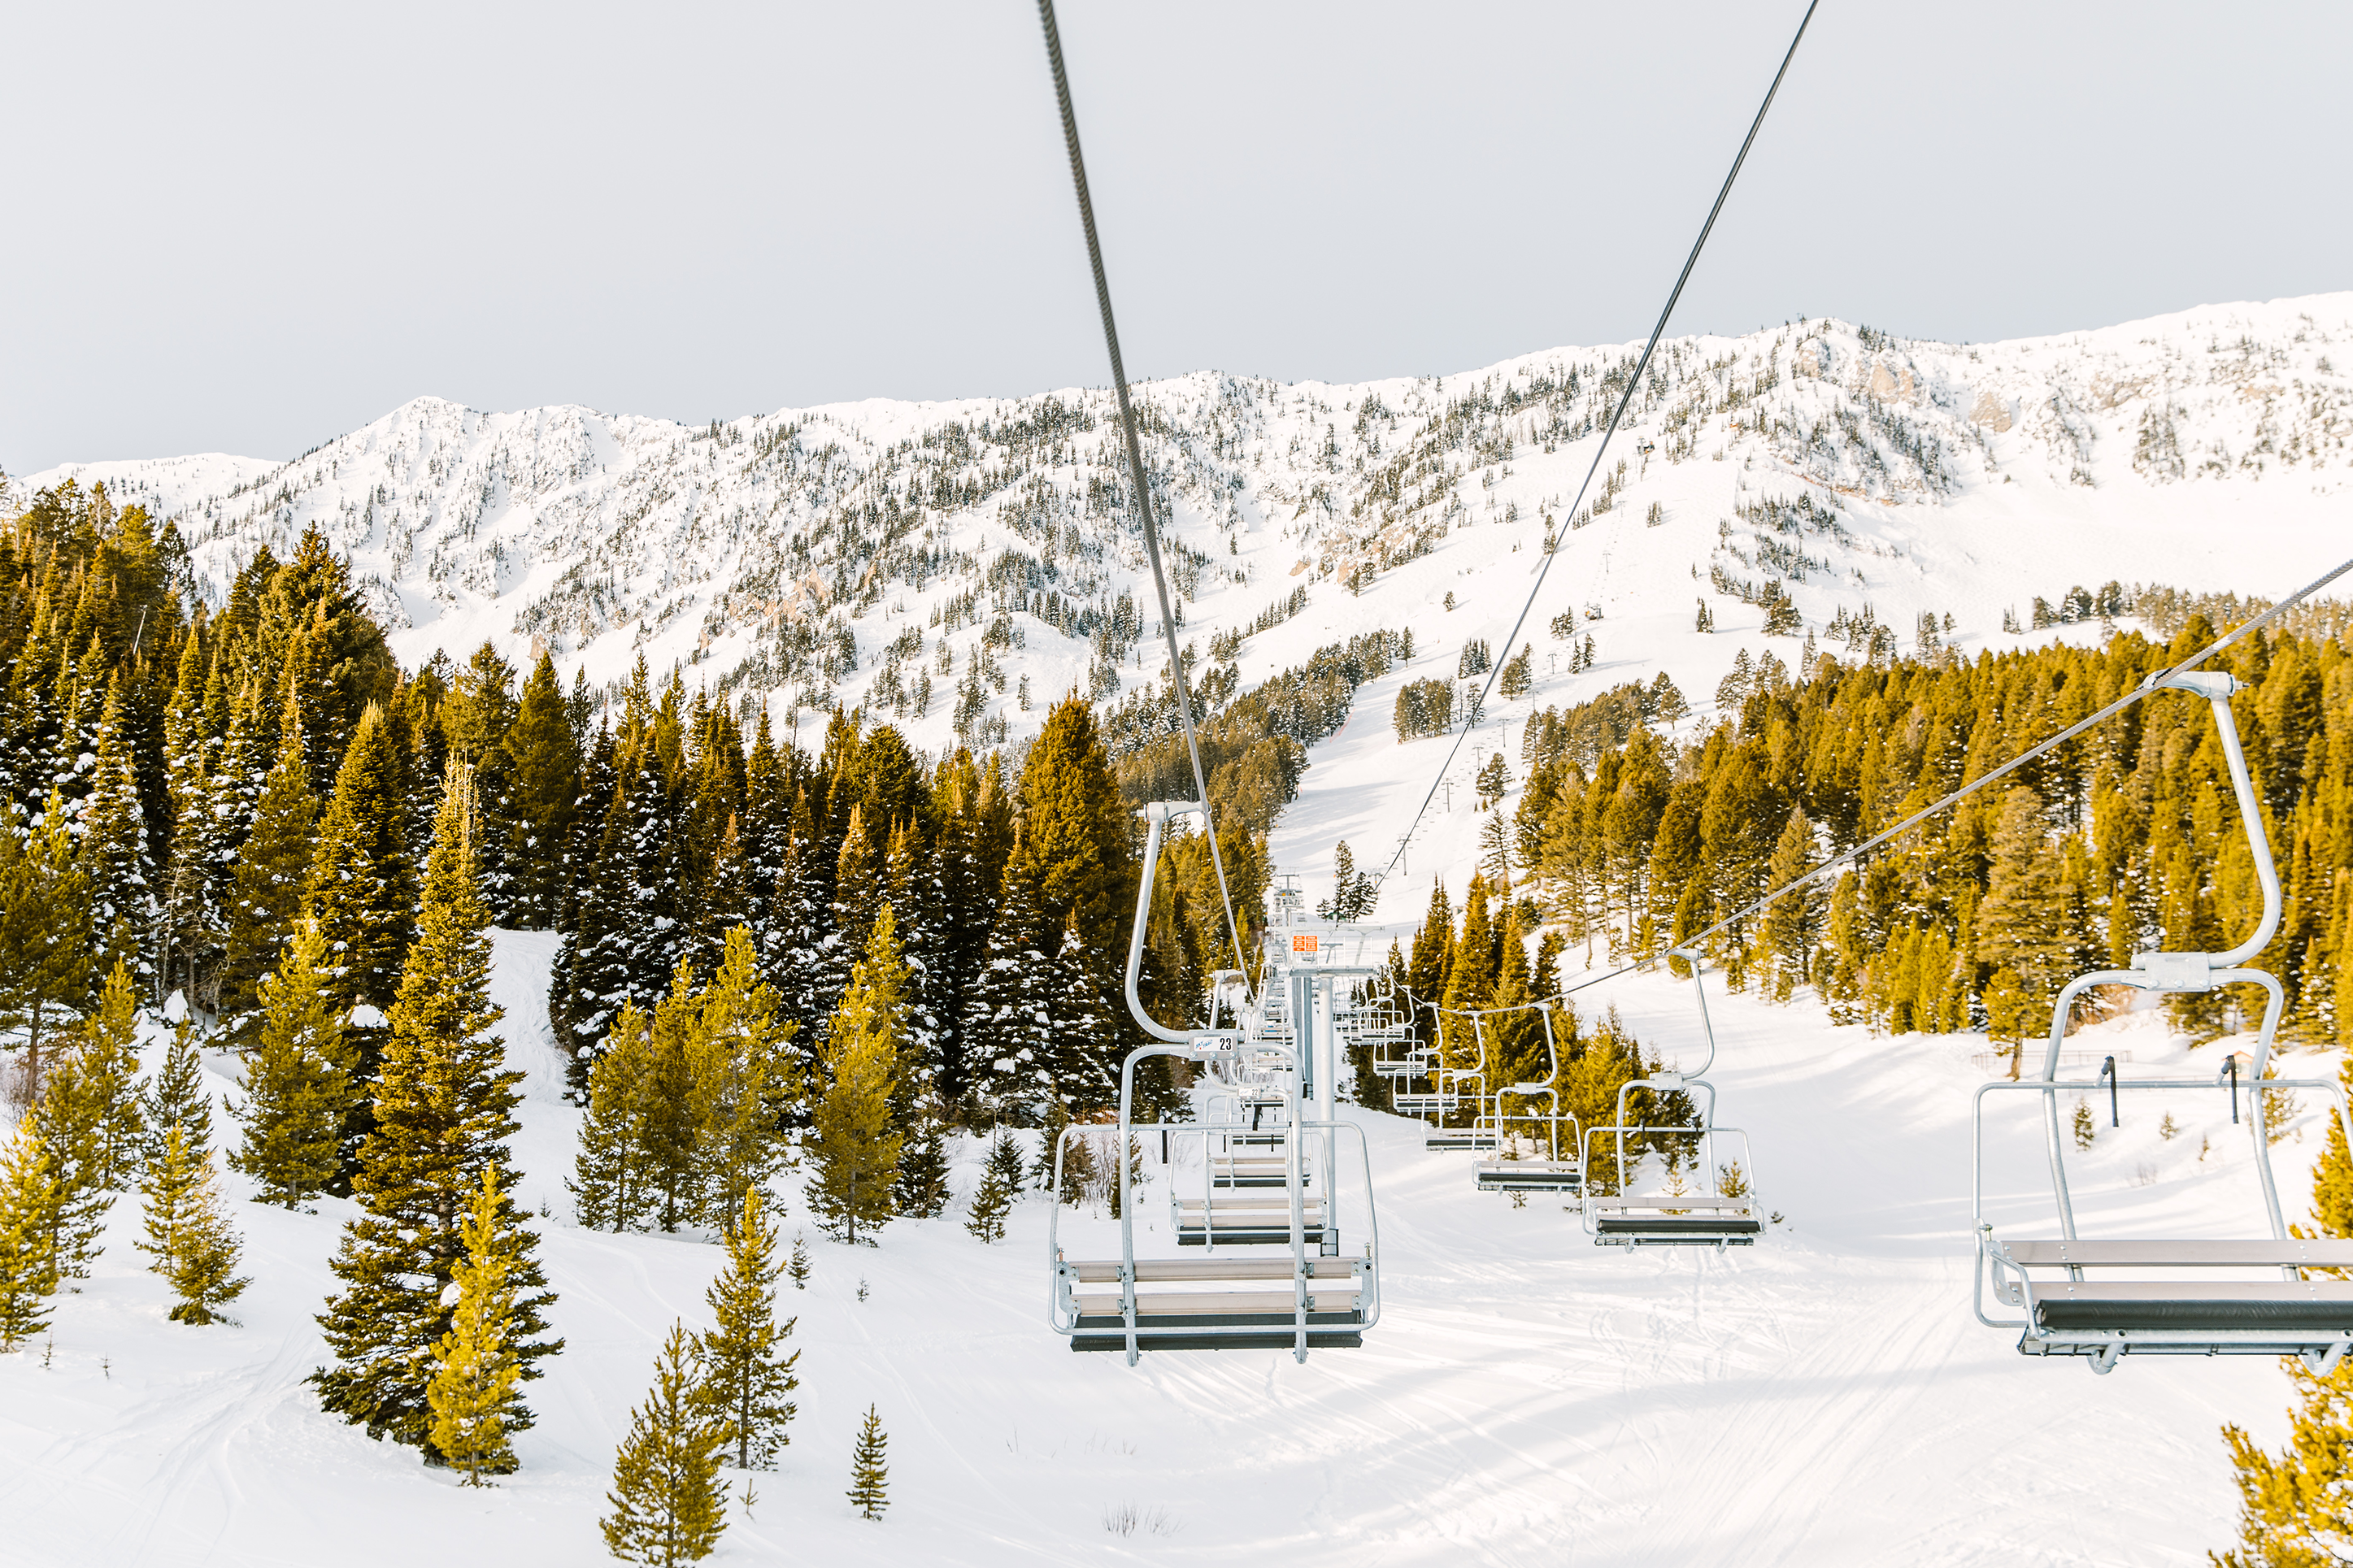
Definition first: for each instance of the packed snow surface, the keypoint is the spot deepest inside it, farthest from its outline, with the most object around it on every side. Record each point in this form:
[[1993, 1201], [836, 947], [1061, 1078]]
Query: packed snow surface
[[1526, 1397]]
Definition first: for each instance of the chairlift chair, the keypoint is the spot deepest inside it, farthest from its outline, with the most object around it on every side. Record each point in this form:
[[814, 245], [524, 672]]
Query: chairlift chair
[[2102, 1297], [1715, 1204], [1551, 1170], [1306, 1296], [1450, 1085]]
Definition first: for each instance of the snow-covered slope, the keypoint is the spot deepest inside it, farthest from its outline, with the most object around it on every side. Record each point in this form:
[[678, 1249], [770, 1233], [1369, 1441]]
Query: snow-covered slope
[[790, 553], [1824, 1400]]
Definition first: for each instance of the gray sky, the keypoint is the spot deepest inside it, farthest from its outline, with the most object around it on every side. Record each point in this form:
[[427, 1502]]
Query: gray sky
[[249, 228]]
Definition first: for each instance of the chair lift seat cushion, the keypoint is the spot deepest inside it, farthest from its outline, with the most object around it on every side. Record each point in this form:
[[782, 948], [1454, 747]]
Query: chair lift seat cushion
[[1677, 1225], [2324, 1305]]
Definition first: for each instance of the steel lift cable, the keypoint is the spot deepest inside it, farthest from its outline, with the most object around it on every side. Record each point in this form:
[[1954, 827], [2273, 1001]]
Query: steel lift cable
[[1544, 563], [1136, 466], [2153, 683]]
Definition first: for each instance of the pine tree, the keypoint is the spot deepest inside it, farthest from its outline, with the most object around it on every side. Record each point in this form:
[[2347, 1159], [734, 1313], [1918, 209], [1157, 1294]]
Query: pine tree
[[921, 1191], [1008, 1028], [114, 859], [870, 1476], [272, 869], [106, 1060], [545, 774], [188, 1231], [611, 1184], [744, 1382], [669, 1506], [2296, 1511], [30, 1196], [444, 1109], [301, 1080], [993, 1201], [45, 932], [179, 1098], [476, 1370], [363, 890], [797, 1270], [752, 1081], [855, 1150]]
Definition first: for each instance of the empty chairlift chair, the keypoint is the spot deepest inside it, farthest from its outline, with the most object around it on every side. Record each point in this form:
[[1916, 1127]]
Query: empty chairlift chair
[[1662, 1184], [1456, 1086], [2102, 1297], [1288, 1287], [1531, 1153]]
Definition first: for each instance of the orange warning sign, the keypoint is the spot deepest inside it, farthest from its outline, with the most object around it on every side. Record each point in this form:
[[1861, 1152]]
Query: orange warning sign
[[1304, 942]]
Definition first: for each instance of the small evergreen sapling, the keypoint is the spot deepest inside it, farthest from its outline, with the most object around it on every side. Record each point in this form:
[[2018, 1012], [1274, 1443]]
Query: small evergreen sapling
[[475, 1366], [799, 1269], [29, 1197], [870, 1475], [990, 1205], [922, 1191], [669, 1506], [178, 1097], [1006, 1159], [743, 1382], [188, 1231]]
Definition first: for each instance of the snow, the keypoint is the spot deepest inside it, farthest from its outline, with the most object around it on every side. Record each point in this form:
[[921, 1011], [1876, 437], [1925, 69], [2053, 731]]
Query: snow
[[1526, 1397], [598, 536]]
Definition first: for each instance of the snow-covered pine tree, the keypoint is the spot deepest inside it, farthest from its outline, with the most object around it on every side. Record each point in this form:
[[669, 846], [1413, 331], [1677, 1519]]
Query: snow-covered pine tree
[[856, 1148], [1008, 1030], [911, 878], [920, 1190], [797, 929], [611, 1186], [797, 1270], [194, 921], [265, 893], [300, 1082], [444, 1110], [745, 1382], [475, 1370], [177, 1097], [1086, 1063], [114, 859], [30, 1197], [363, 886], [869, 1473], [188, 1231], [668, 1505], [857, 895]]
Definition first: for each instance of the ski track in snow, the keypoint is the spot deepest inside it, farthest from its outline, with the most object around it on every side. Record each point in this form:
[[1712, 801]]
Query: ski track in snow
[[1526, 1397]]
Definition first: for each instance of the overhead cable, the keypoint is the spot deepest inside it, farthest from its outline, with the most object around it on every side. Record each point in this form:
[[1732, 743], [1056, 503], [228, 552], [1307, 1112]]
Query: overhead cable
[[1136, 466], [2153, 683], [1544, 563]]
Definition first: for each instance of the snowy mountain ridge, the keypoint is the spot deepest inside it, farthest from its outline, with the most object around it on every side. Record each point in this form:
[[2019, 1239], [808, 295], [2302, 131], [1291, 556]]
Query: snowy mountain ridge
[[870, 551]]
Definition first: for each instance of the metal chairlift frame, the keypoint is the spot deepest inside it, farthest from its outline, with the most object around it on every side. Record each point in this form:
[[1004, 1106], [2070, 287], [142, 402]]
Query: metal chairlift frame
[[1552, 1173], [1708, 1218], [1198, 1324], [1447, 1092], [2066, 1315]]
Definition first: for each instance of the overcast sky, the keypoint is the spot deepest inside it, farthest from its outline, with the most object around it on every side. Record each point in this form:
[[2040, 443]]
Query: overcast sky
[[249, 228]]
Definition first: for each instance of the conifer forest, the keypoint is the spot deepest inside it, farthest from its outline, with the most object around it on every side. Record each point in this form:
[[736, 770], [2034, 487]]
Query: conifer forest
[[620, 1040]]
